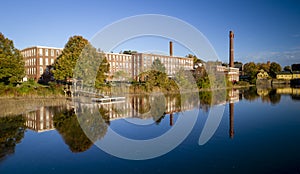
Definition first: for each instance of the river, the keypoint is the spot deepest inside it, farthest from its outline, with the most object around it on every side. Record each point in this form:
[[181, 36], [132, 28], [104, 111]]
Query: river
[[229, 131]]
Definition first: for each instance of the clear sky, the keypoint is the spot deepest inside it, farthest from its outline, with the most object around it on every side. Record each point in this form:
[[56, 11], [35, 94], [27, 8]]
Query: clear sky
[[264, 30]]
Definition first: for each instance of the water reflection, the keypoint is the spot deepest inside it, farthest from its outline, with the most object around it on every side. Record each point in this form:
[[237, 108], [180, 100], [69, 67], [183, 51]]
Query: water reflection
[[11, 133], [67, 125], [147, 107]]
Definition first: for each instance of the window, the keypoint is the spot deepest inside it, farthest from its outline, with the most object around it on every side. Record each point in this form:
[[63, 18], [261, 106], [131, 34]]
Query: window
[[52, 53], [40, 52], [41, 70], [41, 61], [33, 52], [46, 61], [52, 61], [46, 52], [57, 52]]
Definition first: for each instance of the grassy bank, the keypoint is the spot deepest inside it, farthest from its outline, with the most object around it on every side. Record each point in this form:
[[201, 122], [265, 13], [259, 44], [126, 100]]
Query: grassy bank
[[31, 89], [17, 106]]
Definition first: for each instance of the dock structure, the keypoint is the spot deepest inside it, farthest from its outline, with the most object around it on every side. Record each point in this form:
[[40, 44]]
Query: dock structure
[[108, 99]]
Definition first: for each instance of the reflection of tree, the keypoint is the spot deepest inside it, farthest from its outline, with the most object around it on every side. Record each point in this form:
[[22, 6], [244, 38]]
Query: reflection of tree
[[68, 126], [104, 114], [158, 107], [92, 121], [295, 97], [11, 133], [266, 95], [274, 97], [250, 94]]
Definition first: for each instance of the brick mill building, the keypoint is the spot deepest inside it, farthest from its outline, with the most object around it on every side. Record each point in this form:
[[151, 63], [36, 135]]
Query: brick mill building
[[37, 58], [137, 63]]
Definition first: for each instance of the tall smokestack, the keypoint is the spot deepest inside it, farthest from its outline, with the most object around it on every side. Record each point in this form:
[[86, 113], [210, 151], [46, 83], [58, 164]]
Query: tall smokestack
[[171, 48], [231, 49]]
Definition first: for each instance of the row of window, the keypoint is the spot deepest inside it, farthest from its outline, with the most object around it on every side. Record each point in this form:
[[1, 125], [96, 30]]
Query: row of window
[[32, 71], [31, 62], [113, 57], [47, 52]]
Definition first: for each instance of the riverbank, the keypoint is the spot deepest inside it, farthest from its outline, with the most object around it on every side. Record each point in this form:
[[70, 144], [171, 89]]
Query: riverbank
[[18, 106]]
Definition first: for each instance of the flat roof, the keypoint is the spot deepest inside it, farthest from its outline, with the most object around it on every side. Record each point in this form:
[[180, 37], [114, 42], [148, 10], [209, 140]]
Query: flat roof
[[39, 46]]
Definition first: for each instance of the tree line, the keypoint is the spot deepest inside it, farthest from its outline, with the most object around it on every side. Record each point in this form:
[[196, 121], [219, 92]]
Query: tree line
[[92, 65]]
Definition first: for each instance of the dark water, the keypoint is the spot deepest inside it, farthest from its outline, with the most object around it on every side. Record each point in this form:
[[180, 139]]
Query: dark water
[[261, 134]]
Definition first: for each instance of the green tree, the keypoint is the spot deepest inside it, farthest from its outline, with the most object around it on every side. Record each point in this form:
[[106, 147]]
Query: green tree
[[287, 68], [251, 70], [11, 62], [195, 59], [102, 73], [274, 68], [264, 66], [158, 66], [65, 63], [120, 75], [129, 52], [296, 67], [81, 60]]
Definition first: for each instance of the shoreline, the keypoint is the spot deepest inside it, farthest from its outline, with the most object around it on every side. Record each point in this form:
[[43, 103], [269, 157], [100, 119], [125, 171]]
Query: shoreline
[[61, 97]]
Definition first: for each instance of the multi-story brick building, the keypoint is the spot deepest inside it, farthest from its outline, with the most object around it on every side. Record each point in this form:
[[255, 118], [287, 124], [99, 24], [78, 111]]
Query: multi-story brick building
[[119, 62], [137, 63], [37, 58]]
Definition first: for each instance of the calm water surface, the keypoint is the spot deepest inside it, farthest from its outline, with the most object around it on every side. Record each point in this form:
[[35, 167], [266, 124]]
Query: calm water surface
[[261, 134]]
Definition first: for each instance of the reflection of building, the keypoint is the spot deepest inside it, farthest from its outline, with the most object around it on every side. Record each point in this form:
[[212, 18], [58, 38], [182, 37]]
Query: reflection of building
[[293, 91], [231, 120], [40, 120], [233, 97], [37, 58], [142, 107]]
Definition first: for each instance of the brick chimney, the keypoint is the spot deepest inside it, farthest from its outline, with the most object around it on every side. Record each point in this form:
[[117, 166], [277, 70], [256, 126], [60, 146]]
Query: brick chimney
[[231, 49], [171, 48]]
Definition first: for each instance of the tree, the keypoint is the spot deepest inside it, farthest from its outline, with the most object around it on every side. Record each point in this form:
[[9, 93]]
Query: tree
[[158, 66], [129, 52], [251, 69], [274, 68], [264, 66], [11, 62], [238, 65], [195, 59], [296, 67], [102, 73], [65, 63], [81, 60], [287, 68]]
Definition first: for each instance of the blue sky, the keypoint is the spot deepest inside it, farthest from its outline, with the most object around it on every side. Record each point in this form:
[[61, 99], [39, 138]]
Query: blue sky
[[264, 30]]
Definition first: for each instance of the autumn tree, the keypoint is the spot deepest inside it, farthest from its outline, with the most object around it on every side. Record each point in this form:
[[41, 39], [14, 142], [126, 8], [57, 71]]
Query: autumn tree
[[287, 68], [80, 60], [65, 63], [274, 68], [11, 62], [251, 70]]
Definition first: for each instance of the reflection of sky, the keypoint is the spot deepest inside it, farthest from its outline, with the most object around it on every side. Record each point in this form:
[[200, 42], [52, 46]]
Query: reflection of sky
[[266, 141]]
